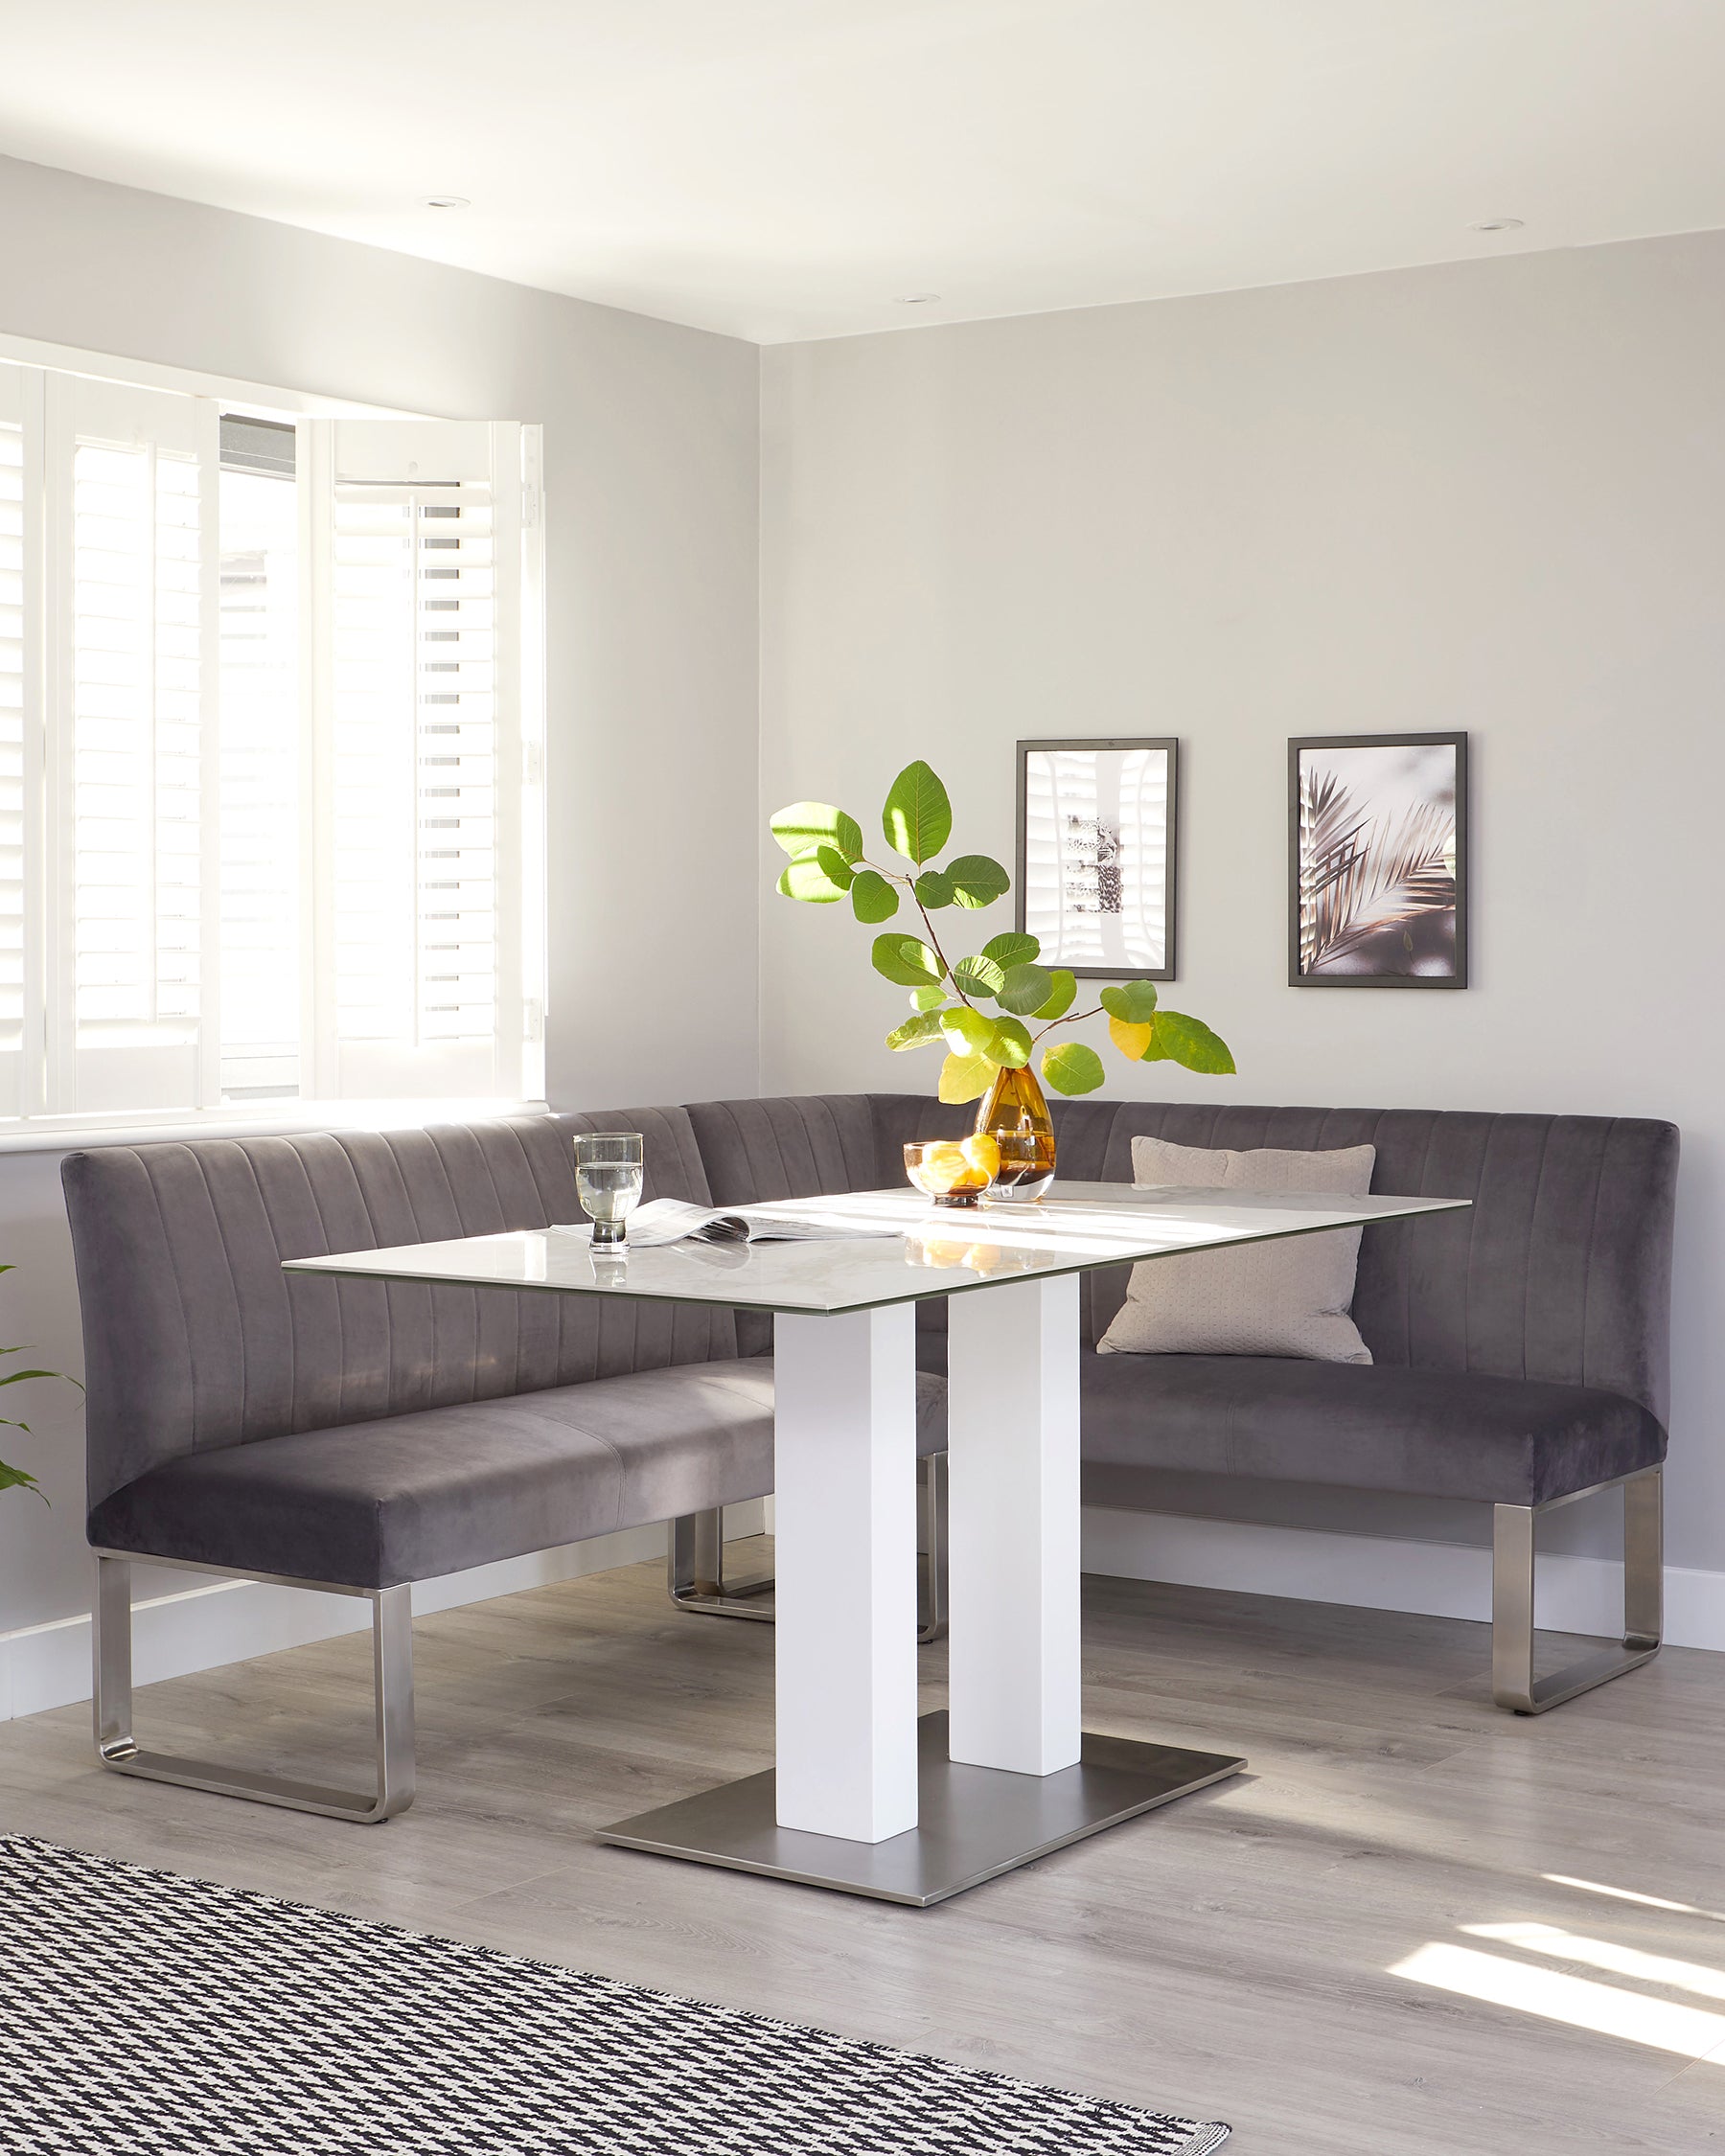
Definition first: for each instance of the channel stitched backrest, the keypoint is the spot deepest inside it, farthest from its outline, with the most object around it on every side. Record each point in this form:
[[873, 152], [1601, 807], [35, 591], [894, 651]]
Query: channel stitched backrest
[[194, 1338], [806, 1145], [1561, 1269]]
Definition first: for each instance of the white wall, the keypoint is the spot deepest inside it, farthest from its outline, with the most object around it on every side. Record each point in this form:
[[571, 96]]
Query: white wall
[[1487, 497], [650, 498]]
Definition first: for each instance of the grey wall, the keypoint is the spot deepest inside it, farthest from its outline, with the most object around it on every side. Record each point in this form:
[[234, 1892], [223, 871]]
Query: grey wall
[[1485, 495], [651, 456]]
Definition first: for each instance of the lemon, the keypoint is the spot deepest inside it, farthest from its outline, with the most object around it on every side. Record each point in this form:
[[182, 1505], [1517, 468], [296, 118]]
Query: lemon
[[981, 1153], [944, 1166]]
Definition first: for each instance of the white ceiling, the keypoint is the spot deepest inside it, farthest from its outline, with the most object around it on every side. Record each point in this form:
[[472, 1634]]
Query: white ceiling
[[783, 168]]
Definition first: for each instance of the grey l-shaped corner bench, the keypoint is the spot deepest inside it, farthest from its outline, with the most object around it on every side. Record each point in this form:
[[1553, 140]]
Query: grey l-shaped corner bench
[[356, 1435]]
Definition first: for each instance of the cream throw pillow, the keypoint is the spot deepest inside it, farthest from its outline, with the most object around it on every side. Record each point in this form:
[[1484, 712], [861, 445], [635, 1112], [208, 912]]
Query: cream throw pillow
[[1287, 1298]]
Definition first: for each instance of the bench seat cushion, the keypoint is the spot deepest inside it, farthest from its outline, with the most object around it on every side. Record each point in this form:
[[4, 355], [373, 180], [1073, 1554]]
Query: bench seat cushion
[[413, 1497], [1426, 1433]]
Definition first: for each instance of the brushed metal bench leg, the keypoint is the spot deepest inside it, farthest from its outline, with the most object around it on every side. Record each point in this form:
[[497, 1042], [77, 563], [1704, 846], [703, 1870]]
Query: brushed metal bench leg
[[695, 1562], [392, 1682], [1513, 1684]]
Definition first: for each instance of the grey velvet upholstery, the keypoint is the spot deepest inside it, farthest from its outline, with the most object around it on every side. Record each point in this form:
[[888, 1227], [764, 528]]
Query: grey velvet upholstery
[[414, 1497], [1360, 1426], [194, 1338], [1519, 1349], [367, 1433]]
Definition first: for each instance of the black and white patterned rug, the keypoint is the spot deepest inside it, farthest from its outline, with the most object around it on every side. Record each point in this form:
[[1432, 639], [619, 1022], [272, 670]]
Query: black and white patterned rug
[[172, 2018]]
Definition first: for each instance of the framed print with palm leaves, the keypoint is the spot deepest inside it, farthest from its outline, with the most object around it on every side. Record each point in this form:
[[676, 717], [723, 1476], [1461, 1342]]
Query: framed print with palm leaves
[[1377, 842], [1097, 828]]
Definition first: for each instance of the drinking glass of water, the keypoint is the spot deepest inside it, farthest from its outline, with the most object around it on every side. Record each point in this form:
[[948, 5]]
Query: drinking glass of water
[[608, 1181]]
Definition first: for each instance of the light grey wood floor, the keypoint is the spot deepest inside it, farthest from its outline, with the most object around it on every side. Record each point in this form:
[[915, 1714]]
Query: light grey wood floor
[[1236, 1955]]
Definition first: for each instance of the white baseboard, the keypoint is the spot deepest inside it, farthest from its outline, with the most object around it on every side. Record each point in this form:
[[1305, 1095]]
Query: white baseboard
[[1373, 1573], [218, 1622], [48, 1665]]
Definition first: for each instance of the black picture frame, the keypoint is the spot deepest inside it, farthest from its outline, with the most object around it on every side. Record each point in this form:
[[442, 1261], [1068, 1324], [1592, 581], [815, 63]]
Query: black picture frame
[[1032, 918], [1300, 974]]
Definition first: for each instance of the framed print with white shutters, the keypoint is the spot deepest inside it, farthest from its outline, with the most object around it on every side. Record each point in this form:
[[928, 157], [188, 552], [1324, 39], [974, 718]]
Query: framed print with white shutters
[[1097, 830]]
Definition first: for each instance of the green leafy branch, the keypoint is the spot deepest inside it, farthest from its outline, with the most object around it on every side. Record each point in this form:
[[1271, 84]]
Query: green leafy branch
[[14, 1478], [827, 864]]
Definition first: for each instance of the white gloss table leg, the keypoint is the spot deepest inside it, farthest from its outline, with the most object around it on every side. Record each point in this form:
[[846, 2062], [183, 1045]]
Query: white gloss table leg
[[845, 1559], [1012, 1494]]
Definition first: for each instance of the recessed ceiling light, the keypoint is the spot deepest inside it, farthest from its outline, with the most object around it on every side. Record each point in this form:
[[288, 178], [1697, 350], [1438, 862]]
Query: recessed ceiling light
[[448, 202], [916, 299], [1497, 224]]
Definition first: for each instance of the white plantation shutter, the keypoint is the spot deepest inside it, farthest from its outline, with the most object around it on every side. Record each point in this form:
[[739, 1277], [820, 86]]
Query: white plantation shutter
[[432, 755], [134, 472], [271, 755]]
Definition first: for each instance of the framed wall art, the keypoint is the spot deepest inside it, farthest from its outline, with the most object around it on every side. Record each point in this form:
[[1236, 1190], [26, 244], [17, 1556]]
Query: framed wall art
[[1377, 852], [1096, 824]]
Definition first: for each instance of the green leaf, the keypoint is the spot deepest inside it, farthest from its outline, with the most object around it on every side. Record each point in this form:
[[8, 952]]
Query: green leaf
[[1175, 1038], [977, 881], [978, 977], [817, 823], [965, 1078], [967, 1032], [932, 889], [805, 879], [15, 1479], [834, 867], [1066, 990], [917, 817], [1072, 1068], [1012, 950], [907, 960], [1010, 1045], [872, 898], [1026, 989], [1134, 1004], [920, 1031], [927, 998], [17, 1377]]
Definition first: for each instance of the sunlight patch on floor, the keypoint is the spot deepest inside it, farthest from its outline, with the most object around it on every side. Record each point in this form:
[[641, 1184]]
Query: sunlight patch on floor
[[1554, 1995]]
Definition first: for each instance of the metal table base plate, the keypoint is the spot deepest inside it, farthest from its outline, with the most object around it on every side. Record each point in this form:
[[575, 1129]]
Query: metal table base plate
[[976, 1823]]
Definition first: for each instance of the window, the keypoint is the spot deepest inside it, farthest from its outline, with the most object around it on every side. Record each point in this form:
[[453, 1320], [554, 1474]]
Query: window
[[271, 755]]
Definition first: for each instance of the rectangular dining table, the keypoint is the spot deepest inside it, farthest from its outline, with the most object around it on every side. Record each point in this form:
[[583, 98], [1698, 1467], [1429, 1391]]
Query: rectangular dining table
[[866, 1797]]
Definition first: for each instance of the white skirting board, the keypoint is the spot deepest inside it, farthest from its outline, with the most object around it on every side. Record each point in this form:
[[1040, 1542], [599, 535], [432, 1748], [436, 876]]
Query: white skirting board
[[214, 1622], [1377, 1572], [49, 1664]]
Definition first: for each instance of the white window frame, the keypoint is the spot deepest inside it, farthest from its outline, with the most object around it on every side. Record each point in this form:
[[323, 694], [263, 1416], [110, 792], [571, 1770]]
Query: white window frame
[[516, 1067]]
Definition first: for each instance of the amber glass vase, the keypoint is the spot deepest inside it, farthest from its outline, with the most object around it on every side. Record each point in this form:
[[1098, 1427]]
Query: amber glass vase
[[1014, 1115]]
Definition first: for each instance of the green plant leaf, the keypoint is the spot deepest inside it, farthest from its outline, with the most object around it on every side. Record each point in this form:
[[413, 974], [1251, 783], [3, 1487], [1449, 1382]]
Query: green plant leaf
[[805, 879], [1073, 1068], [1010, 1047], [921, 1032], [1066, 990], [1026, 989], [927, 998], [1012, 950], [978, 977], [932, 889], [968, 1033], [965, 1078], [834, 867], [907, 960], [14, 1478], [872, 898], [1175, 1038], [1134, 1004], [977, 881], [817, 823], [917, 817]]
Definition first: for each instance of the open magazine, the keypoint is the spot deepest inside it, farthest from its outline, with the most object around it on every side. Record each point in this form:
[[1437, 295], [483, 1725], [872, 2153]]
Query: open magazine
[[671, 1219]]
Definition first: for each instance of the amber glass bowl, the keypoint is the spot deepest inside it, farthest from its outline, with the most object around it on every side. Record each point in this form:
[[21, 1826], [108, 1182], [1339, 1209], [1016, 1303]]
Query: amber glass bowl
[[952, 1171]]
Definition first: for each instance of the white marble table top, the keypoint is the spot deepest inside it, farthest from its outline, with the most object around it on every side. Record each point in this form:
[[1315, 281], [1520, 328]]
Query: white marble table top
[[930, 1250]]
